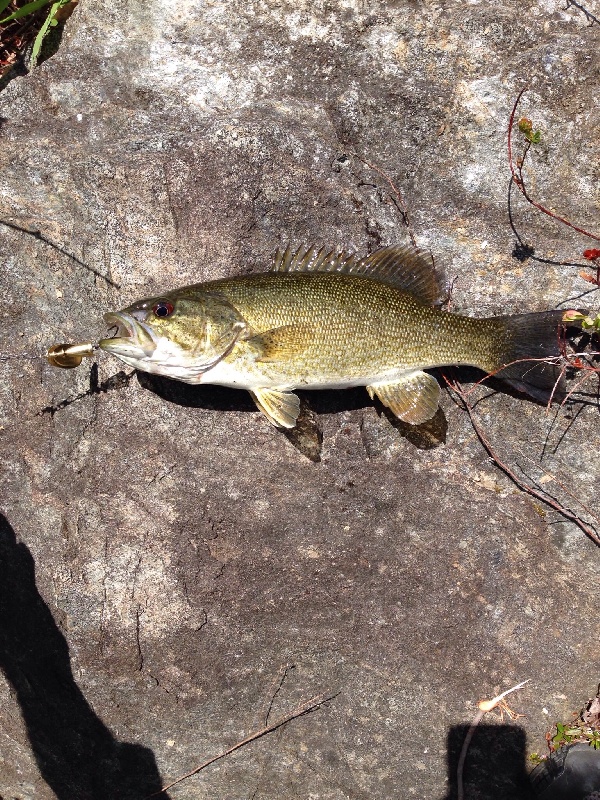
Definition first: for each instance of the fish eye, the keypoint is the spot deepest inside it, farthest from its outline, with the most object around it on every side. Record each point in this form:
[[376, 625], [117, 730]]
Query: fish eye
[[163, 308]]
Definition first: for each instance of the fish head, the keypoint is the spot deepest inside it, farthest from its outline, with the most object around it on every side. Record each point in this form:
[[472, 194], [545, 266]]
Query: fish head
[[180, 334]]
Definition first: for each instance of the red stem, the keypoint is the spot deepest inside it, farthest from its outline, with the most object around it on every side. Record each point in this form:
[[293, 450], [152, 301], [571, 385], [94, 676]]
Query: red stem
[[517, 176]]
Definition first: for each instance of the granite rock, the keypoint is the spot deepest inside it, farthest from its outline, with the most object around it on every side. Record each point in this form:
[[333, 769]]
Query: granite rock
[[165, 553]]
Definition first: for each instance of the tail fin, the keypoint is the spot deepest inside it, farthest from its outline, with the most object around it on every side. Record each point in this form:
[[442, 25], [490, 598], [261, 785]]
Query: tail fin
[[528, 338]]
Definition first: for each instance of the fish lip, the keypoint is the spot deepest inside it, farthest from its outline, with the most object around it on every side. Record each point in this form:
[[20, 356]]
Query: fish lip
[[133, 337]]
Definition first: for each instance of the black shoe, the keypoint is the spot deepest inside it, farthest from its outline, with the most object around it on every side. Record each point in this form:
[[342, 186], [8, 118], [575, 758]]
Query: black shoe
[[570, 773]]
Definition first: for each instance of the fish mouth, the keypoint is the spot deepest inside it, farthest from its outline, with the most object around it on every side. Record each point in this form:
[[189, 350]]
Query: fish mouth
[[132, 338]]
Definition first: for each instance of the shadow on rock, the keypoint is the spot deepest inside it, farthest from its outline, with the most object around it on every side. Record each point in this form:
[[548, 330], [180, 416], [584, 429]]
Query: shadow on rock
[[495, 765], [77, 755], [306, 437], [221, 398]]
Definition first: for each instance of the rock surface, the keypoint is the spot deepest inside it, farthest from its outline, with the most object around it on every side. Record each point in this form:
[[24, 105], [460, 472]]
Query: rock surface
[[164, 552]]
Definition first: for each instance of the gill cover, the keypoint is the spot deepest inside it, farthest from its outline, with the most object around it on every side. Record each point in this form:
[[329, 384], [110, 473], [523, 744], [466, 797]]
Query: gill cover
[[200, 329]]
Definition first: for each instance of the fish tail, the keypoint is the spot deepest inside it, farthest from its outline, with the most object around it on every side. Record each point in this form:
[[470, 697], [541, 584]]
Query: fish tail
[[528, 358]]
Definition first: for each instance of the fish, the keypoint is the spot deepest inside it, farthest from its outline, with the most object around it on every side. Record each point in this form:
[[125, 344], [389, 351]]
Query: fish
[[323, 318]]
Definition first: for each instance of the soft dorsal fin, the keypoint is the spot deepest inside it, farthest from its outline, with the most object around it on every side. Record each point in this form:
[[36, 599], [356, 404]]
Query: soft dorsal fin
[[407, 268]]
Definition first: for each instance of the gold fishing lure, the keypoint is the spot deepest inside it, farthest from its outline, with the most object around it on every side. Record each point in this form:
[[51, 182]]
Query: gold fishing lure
[[69, 356]]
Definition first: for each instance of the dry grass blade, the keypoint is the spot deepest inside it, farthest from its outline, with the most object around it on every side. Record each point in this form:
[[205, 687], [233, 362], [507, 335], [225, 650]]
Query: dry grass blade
[[484, 707], [299, 711]]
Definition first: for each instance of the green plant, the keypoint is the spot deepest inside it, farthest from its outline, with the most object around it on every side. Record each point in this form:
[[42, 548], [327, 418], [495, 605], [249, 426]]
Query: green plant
[[51, 20], [571, 734], [526, 127], [589, 323]]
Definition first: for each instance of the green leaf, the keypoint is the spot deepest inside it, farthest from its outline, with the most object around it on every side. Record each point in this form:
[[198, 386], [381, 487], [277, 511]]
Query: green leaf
[[590, 323], [535, 138], [3, 5], [525, 125], [28, 8], [37, 44]]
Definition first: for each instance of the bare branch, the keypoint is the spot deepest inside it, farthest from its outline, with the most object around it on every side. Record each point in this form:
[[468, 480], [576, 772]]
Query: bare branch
[[299, 711], [540, 495]]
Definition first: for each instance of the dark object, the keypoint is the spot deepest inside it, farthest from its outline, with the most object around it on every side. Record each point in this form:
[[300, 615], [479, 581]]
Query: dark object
[[570, 773], [495, 764], [77, 755]]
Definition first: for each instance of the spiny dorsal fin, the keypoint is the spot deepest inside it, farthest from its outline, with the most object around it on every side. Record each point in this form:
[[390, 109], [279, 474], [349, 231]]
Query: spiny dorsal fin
[[313, 259], [407, 268]]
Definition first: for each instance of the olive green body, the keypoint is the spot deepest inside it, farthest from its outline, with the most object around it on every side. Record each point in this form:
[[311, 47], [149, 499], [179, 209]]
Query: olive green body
[[328, 320], [342, 330]]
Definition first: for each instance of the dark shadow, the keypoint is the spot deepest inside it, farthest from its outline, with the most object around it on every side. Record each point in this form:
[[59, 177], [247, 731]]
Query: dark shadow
[[77, 755], [117, 381], [495, 765], [221, 398], [306, 437]]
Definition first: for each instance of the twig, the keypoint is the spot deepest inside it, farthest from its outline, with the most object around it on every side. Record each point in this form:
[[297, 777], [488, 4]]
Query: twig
[[278, 683], [299, 711], [517, 175], [555, 504], [40, 237], [572, 495], [588, 14], [395, 190], [484, 707]]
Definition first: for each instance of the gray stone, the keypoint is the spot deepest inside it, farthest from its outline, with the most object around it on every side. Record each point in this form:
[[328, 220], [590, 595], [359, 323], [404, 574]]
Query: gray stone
[[184, 550]]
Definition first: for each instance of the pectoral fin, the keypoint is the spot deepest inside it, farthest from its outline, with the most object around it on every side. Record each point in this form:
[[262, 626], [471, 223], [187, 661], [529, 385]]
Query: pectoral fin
[[281, 344], [280, 408], [413, 399]]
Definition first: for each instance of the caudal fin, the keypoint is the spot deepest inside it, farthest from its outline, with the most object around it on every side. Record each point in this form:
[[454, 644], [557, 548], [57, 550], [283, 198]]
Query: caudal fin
[[528, 340]]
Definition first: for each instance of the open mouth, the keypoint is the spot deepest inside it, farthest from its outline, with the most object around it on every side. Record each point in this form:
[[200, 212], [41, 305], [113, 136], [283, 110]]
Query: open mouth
[[127, 336]]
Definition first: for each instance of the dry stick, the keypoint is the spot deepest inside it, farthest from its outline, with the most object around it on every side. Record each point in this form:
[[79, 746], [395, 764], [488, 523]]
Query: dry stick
[[517, 176], [567, 491], [484, 707], [588, 14], [396, 191], [299, 711], [277, 684], [562, 510]]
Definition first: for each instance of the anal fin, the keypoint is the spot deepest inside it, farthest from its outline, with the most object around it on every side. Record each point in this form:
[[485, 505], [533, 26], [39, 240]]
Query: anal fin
[[413, 399], [280, 408]]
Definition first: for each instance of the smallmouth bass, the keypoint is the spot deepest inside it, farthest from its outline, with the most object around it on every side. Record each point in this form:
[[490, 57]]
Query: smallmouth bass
[[331, 320]]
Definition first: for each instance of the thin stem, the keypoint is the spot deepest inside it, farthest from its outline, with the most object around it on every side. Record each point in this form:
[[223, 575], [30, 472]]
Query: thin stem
[[484, 707], [517, 175], [299, 711], [562, 510]]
